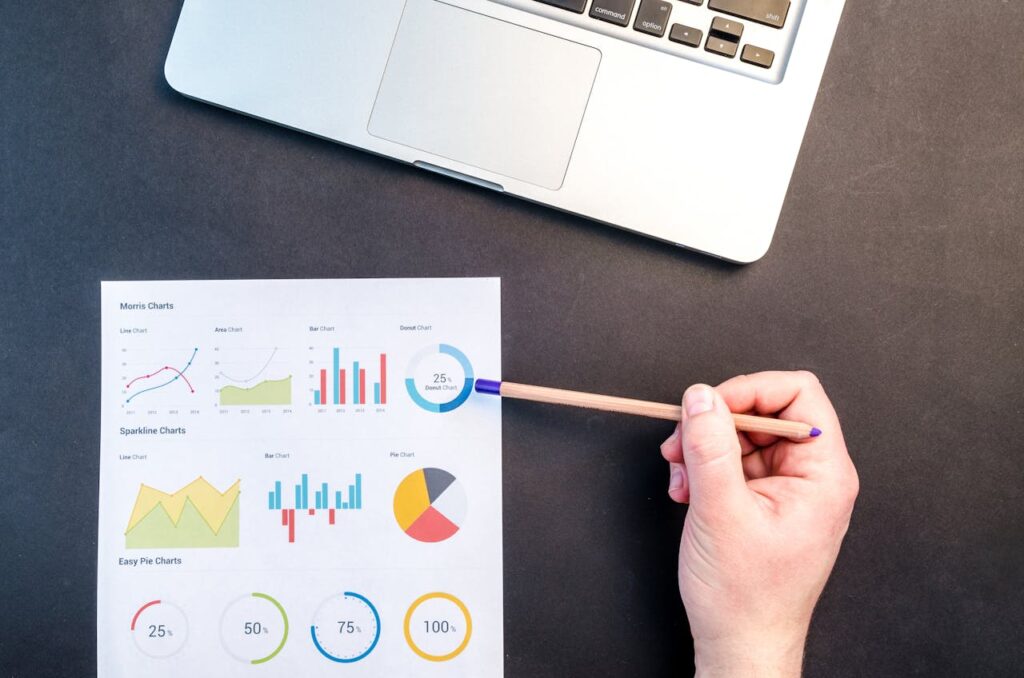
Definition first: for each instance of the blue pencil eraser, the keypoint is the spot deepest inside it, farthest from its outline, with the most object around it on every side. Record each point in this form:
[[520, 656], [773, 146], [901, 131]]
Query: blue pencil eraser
[[488, 386]]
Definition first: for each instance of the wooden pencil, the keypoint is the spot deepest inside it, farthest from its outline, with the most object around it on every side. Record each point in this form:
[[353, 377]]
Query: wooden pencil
[[794, 430]]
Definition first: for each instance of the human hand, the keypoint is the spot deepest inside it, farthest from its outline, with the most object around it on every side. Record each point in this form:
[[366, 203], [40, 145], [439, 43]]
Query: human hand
[[766, 519]]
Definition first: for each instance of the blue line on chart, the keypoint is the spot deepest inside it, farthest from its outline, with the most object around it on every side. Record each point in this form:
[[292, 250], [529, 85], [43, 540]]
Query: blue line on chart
[[181, 371]]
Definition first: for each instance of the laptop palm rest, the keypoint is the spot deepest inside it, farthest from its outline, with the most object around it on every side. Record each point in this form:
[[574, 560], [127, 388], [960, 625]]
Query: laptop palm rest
[[484, 92]]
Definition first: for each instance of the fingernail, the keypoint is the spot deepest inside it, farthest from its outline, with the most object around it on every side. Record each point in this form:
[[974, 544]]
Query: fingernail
[[675, 478], [698, 400]]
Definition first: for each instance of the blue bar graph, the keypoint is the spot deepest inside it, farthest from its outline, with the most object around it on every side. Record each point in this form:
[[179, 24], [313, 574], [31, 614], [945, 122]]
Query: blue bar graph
[[337, 377], [355, 382], [376, 394]]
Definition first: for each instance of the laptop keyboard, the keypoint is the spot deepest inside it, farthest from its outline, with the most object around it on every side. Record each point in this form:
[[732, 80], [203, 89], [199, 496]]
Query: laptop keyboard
[[749, 37]]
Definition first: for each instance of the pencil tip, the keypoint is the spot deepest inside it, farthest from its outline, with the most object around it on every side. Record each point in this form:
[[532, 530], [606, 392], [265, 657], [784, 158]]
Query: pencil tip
[[815, 432], [488, 386]]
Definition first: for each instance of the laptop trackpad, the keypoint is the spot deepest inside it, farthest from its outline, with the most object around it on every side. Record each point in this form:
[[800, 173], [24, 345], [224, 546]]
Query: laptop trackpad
[[484, 92]]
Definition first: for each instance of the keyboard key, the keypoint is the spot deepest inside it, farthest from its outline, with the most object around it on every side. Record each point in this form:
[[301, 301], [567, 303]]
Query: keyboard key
[[571, 5], [757, 56], [726, 48], [612, 11], [727, 29], [694, 2], [768, 12], [686, 35], [652, 17]]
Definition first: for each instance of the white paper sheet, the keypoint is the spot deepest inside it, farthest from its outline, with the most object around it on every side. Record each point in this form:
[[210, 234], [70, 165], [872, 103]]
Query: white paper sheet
[[296, 479]]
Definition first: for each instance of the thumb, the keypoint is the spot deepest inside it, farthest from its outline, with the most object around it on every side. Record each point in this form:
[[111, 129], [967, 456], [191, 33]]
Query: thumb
[[711, 448]]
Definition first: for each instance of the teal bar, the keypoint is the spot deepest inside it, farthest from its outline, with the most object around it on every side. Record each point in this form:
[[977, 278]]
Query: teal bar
[[337, 381], [359, 491], [277, 494], [305, 491], [270, 500], [376, 393], [337, 499], [316, 397], [355, 383]]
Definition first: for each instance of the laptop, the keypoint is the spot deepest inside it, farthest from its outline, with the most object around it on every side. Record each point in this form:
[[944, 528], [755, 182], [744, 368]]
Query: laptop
[[676, 119]]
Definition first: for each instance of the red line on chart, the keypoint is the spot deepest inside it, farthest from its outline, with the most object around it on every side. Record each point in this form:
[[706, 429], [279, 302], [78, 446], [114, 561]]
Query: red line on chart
[[162, 369], [180, 374]]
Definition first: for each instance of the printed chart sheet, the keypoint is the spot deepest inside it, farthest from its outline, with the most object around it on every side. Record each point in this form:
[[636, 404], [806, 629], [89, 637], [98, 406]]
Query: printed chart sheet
[[297, 479]]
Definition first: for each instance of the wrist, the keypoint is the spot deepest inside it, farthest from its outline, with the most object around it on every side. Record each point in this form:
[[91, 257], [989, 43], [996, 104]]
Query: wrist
[[778, 655]]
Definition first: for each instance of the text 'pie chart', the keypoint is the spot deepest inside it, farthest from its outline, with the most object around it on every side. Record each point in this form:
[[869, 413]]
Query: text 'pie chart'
[[430, 505]]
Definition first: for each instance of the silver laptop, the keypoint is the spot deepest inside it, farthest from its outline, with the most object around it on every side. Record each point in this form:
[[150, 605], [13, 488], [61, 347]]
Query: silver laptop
[[677, 119]]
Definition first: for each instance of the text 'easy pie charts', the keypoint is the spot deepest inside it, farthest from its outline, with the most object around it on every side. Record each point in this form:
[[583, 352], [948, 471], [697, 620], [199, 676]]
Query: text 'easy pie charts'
[[430, 505], [439, 378]]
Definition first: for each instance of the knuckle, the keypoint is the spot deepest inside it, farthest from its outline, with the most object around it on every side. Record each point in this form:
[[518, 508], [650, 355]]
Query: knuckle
[[809, 378]]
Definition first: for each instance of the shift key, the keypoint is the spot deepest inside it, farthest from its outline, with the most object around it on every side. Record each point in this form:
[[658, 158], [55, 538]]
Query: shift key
[[768, 12]]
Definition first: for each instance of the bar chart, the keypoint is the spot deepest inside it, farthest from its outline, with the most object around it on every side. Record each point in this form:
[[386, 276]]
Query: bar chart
[[325, 499], [349, 382]]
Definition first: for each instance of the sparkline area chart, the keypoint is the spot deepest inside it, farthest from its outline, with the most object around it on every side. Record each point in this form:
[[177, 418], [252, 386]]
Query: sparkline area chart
[[297, 475]]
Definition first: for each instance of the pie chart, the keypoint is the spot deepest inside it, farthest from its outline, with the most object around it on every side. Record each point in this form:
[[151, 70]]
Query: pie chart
[[430, 505]]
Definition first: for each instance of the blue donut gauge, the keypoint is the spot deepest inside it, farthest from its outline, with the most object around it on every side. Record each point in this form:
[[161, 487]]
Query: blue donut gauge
[[357, 599], [410, 379]]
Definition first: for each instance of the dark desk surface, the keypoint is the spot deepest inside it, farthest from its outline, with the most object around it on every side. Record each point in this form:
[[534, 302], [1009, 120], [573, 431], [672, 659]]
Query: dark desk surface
[[896, 274]]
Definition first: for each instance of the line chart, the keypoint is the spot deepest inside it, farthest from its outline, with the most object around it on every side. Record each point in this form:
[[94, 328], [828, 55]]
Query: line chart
[[178, 374], [253, 377]]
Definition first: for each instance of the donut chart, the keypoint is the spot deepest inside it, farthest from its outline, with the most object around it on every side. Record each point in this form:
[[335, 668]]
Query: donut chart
[[430, 505], [346, 628], [438, 626], [159, 629], [439, 378]]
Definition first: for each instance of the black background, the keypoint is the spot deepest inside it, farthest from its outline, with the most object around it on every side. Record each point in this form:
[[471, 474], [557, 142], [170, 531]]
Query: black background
[[896, 275]]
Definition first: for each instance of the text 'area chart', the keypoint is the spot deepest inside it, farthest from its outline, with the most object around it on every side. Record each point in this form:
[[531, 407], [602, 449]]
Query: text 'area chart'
[[296, 476]]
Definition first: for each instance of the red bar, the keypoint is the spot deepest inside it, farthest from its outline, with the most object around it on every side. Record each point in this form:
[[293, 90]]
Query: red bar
[[284, 516], [312, 511], [362, 386], [291, 526], [323, 387], [341, 380], [383, 379], [330, 516]]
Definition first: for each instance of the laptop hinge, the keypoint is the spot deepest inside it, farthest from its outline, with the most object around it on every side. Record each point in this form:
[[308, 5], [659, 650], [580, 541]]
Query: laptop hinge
[[436, 169]]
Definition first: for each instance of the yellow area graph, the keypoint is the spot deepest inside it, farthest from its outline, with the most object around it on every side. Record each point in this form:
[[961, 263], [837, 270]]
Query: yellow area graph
[[196, 516]]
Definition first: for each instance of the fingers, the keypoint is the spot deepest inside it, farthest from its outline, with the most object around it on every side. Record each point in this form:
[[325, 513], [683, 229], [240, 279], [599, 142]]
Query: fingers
[[678, 483], [672, 448], [796, 396], [711, 448]]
